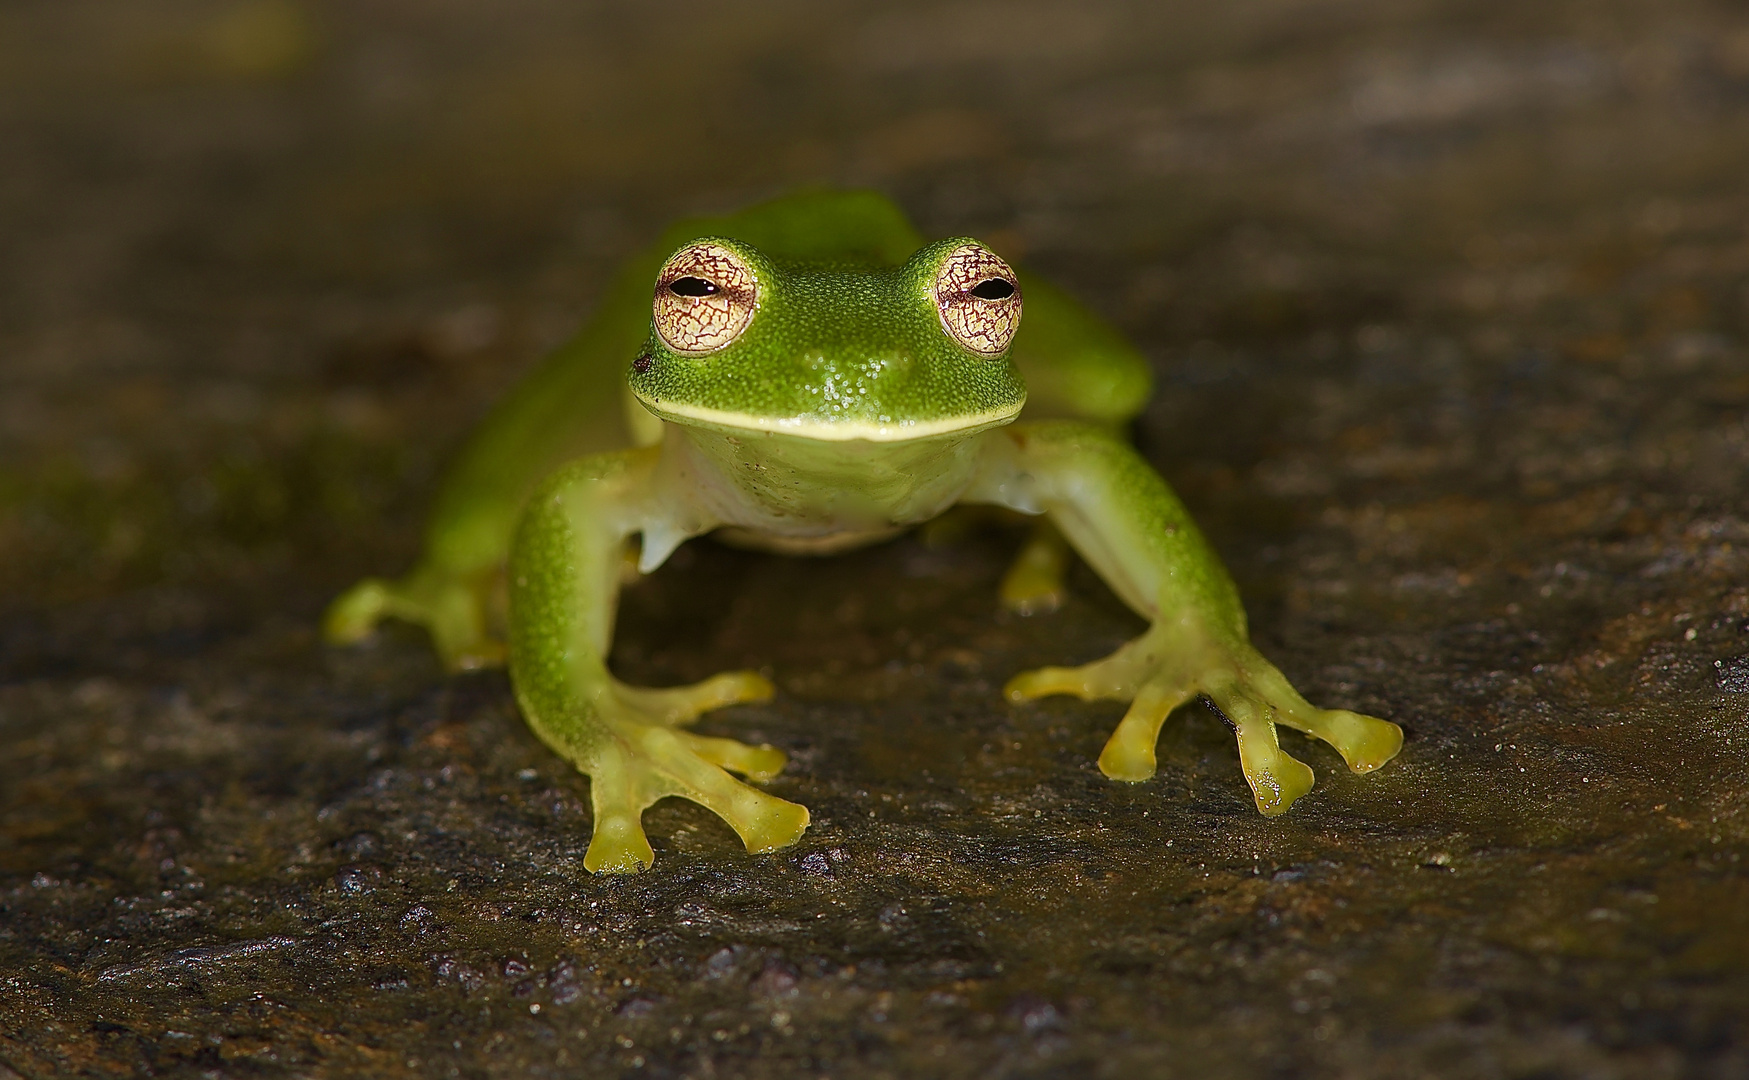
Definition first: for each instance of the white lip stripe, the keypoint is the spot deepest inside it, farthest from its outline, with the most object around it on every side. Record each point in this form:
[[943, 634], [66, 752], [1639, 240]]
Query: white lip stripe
[[831, 430]]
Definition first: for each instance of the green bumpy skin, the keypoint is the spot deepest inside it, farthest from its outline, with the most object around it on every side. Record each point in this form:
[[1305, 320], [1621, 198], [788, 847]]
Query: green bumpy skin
[[840, 409]]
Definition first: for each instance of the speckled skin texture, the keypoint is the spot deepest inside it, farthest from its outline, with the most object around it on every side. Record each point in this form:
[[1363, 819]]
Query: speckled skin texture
[[845, 347], [1444, 305]]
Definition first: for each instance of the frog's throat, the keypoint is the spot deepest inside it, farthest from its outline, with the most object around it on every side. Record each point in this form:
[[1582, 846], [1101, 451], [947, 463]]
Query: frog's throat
[[828, 430]]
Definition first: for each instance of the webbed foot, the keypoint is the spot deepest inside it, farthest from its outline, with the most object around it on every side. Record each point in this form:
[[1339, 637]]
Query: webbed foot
[[634, 755], [1156, 675]]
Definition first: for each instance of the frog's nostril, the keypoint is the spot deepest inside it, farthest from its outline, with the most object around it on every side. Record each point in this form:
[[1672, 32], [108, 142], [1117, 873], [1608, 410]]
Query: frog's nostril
[[993, 289], [692, 286]]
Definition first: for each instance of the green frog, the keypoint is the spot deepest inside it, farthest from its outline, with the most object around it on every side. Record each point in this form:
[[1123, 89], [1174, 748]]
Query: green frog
[[808, 376]]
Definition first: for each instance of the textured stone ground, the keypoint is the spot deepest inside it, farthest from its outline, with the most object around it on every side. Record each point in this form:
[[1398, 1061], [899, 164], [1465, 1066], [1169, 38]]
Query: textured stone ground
[[1449, 306]]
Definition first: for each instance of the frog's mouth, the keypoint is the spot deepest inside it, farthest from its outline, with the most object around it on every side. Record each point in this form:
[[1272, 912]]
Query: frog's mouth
[[829, 428]]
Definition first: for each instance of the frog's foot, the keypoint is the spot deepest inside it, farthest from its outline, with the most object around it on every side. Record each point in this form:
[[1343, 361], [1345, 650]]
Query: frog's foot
[[1244, 689], [449, 608], [643, 758], [1034, 582]]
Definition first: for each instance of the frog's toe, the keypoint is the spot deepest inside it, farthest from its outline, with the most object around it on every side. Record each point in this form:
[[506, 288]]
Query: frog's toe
[[677, 705], [764, 822], [618, 797], [352, 616], [1129, 753], [1043, 682], [1365, 742], [753, 762], [1276, 777], [1113, 677]]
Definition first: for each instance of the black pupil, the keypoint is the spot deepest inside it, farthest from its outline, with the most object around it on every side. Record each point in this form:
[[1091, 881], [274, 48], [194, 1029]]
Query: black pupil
[[993, 289], [692, 286]]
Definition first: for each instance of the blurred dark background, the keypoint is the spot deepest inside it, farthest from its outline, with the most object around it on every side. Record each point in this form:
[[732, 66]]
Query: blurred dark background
[[1448, 304]]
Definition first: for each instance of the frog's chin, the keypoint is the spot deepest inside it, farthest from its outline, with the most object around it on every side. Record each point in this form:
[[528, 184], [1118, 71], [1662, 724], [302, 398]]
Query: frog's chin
[[877, 429]]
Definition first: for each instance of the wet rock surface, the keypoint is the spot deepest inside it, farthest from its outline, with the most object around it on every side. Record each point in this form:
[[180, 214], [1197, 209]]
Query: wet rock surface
[[1448, 306]]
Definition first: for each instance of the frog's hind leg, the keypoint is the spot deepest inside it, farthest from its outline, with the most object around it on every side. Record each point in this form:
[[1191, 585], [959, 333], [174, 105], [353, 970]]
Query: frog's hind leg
[[452, 608], [1034, 581]]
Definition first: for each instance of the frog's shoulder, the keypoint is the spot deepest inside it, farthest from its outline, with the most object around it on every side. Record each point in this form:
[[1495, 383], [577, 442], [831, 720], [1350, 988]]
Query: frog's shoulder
[[813, 226]]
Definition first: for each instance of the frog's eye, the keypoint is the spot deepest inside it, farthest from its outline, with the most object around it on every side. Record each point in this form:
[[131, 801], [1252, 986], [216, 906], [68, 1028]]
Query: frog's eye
[[979, 299], [705, 296]]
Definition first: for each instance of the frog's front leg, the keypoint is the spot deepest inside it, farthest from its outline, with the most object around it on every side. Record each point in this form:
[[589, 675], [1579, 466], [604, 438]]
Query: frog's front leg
[[564, 581], [1120, 515]]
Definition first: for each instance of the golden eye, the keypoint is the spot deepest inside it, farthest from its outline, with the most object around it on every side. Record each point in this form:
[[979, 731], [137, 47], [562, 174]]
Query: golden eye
[[979, 299], [705, 297]]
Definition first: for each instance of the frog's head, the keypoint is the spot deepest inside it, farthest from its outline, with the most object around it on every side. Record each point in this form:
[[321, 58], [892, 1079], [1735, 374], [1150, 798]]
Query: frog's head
[[739, 341]]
